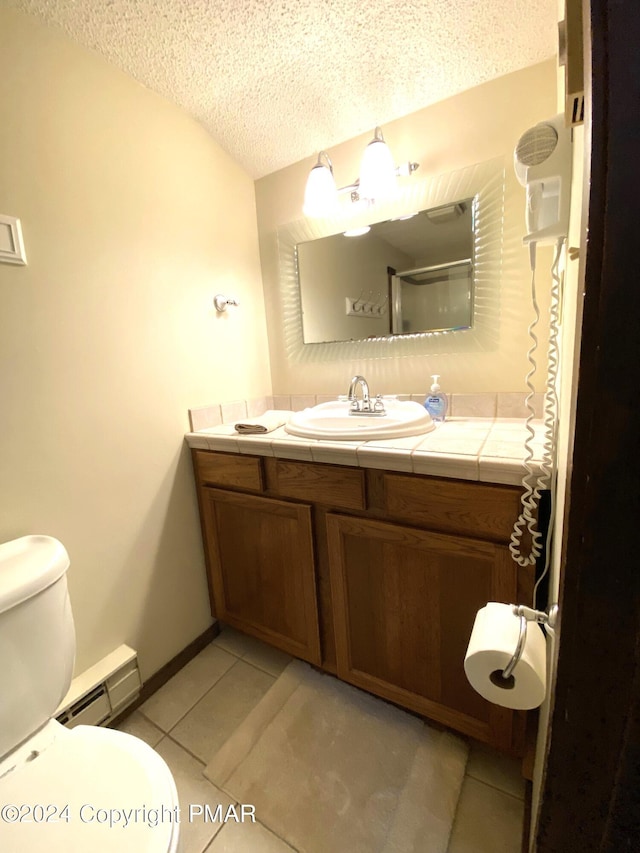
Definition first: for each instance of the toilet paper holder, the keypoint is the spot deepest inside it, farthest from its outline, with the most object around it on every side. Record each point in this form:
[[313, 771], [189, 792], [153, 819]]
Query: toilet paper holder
[[528, 614]]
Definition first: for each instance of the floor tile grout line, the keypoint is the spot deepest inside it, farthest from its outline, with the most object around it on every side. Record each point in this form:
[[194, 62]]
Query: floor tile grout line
[[237, 658], [251, 663], [149, 720], [209, 689], [226, 649], [486, 784], [192, 755], [256, 665], [212, 839], [273, 832], [262, 669], [495, 787], [286, 843]]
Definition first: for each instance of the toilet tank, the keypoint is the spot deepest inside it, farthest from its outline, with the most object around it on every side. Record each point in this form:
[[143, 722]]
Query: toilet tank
[[37, 639]]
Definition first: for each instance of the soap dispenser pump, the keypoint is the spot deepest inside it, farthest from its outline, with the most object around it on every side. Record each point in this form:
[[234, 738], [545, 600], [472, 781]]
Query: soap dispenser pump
[[436, 402]]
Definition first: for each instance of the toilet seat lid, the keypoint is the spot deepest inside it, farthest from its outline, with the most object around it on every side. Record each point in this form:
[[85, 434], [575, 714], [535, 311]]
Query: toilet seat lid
[[91, 789], [27, 566]]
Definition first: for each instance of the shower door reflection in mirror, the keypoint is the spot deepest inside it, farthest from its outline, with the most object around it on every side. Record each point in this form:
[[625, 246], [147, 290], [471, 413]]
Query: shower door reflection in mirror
[[438, 298]]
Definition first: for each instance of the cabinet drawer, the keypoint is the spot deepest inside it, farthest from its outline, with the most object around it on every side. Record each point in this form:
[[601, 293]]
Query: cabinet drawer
[[471, 509], [331, 485], [229, 469]]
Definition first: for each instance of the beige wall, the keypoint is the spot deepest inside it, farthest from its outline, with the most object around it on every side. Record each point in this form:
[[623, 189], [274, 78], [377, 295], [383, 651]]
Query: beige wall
[[133, 220], [475, 126]]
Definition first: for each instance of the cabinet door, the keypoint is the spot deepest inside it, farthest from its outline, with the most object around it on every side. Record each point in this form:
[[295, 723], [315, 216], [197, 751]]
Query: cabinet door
[[404, 605], [262, 571]]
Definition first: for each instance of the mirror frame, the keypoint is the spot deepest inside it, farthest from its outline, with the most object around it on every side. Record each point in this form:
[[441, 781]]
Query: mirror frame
[[483, 181]]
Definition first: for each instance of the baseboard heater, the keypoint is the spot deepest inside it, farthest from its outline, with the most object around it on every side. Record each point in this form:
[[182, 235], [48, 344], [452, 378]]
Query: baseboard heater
[[103, 691]]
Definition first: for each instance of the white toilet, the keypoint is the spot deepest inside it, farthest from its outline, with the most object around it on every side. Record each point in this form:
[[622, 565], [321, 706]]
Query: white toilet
[[65, 790]]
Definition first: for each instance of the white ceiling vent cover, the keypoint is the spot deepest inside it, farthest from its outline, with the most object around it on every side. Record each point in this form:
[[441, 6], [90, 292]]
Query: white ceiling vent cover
[[100, 693]]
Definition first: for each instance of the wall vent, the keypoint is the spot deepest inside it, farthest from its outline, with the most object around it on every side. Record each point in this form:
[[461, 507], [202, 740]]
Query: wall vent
[[103, 691]]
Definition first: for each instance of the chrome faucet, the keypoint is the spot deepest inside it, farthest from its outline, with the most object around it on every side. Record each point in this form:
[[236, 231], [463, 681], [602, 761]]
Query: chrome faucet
[[364, 406], [359, 380]]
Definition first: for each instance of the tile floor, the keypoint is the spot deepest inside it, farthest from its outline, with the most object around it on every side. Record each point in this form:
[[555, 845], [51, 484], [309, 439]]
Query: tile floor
[[194, 713]]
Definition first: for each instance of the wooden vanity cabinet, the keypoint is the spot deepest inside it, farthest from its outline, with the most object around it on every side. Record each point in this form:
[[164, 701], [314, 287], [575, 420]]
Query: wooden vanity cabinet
[[372, 575]]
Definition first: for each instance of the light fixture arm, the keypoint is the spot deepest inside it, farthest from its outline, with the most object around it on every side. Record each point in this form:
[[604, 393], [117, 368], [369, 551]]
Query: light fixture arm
[[403, 170], [406, 169], [329, 164]]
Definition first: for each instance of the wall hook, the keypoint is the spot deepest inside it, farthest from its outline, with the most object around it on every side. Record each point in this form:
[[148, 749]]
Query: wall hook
[[382, 306], [221, 302], [371, 309], [357, 307]]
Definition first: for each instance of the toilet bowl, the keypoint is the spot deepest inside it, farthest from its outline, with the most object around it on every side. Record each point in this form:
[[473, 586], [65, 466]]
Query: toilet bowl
[[65, 790]]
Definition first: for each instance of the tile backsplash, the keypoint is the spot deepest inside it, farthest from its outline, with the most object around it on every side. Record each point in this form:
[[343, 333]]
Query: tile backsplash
[[487, 405]]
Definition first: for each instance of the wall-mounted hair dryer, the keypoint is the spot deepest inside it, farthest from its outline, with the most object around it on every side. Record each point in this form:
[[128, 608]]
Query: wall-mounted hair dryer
[[542, 160]]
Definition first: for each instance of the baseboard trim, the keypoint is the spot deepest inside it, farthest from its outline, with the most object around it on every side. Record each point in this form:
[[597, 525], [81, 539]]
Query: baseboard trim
[[159, 678]]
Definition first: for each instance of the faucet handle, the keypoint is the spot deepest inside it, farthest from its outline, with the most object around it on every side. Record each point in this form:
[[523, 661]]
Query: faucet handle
[[378, 406]]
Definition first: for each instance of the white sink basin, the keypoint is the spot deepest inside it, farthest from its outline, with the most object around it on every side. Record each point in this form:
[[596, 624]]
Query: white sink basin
[[333, 421]]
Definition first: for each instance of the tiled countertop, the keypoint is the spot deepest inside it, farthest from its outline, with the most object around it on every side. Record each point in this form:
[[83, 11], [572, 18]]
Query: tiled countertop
[[488, 450]]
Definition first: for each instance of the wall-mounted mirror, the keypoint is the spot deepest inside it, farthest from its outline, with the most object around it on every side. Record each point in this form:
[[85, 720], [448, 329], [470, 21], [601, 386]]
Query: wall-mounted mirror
[[403, 276], [319, 319]]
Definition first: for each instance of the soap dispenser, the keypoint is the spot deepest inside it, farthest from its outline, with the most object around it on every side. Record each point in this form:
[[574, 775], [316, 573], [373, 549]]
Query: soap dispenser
[[436, 402]]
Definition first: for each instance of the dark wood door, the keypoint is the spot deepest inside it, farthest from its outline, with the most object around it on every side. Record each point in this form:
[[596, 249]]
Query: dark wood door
[[404, 605], [262, 569], [591, 781]]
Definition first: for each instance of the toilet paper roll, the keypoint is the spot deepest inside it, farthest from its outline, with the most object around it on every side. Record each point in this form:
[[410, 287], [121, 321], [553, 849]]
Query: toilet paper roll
[[493, 641]]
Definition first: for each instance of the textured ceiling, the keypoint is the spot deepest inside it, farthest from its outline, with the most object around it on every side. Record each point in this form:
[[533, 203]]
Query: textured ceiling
[[274, 81]]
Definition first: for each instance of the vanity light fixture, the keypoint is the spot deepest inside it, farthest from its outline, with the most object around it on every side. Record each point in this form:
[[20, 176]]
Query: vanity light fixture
[[377, 170], [377, 179], [321, 193]]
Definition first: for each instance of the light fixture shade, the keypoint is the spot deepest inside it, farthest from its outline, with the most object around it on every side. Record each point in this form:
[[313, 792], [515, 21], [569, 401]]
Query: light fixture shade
[[321, 193], [377, 170]]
